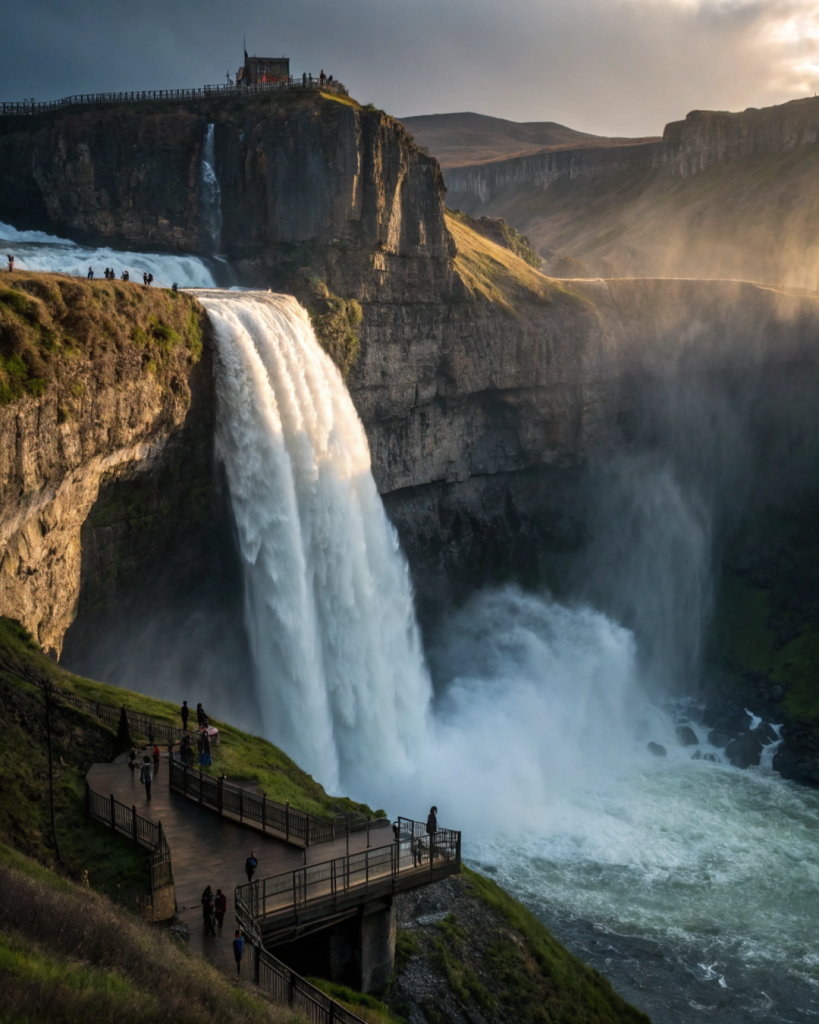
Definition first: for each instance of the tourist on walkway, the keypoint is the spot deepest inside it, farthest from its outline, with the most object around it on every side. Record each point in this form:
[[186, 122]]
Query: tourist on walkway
[[238, 949], [322, 78], [90, 273], [396, 831], [146, 775], [432, 821], [204, 749], [156, 758], [11, 263], [250, 866], [201, 717], [184, 711], [220, 903], [132, 759], [208, 911]]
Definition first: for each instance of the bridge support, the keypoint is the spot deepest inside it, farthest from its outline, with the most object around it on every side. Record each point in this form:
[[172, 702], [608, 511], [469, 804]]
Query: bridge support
[[358, 951]]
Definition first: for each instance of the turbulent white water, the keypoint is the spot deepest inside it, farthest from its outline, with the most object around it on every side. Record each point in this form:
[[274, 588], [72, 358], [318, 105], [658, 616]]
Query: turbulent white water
[[211, 192], [34, 250], [534, 741], [340, 670]]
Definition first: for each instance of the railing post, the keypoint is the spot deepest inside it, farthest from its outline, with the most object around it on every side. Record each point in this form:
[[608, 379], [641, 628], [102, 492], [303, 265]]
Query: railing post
[[287, 820], [264, 811], [368, 833], [241, 803], [134, 820], [219, 790], [201, 787], [185, 783], [113, 814]]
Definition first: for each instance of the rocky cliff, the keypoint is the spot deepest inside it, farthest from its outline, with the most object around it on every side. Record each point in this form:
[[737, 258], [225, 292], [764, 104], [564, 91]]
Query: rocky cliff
[[720, 195]]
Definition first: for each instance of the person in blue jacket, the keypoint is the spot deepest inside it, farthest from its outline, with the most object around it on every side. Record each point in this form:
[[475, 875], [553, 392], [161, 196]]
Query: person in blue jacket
[[238, 949]]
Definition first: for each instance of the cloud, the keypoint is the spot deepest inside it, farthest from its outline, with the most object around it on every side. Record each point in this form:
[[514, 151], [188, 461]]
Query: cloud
[[608, 66]]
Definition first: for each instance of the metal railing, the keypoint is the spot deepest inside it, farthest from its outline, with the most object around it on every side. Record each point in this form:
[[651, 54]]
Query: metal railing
[[413, 858], [124, 820], [28, 108], [154, 729], [297, 827], [283, 984]]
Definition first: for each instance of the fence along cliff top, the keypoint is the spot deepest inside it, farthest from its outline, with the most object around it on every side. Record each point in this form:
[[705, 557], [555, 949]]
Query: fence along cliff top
[[306, 83]]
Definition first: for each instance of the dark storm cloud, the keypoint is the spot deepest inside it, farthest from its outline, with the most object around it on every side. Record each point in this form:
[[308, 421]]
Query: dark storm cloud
[[609, 66]]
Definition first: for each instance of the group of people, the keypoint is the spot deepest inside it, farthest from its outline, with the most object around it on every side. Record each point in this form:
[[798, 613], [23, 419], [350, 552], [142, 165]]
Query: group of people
[[214, 909], [147, 769], [111, 275], [203, 741]]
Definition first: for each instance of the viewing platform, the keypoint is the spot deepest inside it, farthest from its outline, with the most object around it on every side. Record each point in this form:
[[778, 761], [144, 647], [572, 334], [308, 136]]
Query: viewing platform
[[308, 84]]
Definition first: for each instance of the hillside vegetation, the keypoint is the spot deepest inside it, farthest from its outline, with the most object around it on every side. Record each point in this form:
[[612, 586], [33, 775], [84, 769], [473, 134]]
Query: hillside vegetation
[[68, 954], [52, 326]]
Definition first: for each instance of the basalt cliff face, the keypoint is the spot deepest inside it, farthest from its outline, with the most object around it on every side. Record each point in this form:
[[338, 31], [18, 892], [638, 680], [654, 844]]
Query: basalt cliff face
[[720, 195]]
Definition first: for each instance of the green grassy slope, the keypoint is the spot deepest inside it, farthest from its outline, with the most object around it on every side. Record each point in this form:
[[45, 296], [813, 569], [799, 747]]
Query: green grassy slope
[[68, 954]]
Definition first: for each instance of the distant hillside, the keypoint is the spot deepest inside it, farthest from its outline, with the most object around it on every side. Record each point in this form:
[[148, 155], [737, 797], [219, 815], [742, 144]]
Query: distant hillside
[[721, 195], [457, 140]]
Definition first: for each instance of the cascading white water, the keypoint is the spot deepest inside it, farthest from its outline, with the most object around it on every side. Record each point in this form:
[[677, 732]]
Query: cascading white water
[[340, 671], [34, 250], [211, 192]]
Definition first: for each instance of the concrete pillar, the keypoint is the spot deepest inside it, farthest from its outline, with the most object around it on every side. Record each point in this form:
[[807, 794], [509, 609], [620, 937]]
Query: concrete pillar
[[376, 948]]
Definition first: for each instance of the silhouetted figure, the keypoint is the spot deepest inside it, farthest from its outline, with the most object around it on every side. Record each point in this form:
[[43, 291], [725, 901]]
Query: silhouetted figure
[[322, 78], [125, 276], [11, 263], [146, 775], [174, 287], [304, 80], [208, 911], [201, 717], [396, 831], [132, 759], [156, 758], [150, 279], [220, 904], [432, 821], [90, 273], [250, 866], [238, 949], [184, 711], [145, 278]]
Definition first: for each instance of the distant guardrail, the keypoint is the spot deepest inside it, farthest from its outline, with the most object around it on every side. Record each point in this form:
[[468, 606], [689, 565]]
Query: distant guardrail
[[27, 109], [154, 729]]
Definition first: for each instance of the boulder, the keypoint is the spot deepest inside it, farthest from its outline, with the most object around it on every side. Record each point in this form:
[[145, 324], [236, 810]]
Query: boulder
[[744, 751], [712, 758], [687, 736], [718, 739], [765, 733], [697, 755], [657, 749]]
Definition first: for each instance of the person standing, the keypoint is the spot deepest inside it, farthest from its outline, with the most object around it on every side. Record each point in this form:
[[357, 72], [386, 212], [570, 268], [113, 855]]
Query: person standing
[[11, 263], [146, 776], [156, 758], [132, 759], [220, 903], [201, 717], [250, 866], [432, 828], [206, 748], [207, 911], [238, 949], [184, 711], [90, 273]]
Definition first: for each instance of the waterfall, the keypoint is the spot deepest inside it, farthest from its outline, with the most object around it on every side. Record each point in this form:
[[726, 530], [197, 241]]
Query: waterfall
[[339, 666], [211, 193]]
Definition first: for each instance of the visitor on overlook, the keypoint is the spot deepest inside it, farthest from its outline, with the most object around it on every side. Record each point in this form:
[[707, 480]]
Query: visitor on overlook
[[220, 904], [432, 821], [201, 717], [184, 711], [146, 775], [238, 949], [11, 263], [208, 911], [250, 866], [322, 78], [156, 758], [90, 274]]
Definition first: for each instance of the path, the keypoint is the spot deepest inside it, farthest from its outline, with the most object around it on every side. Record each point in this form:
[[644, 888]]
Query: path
[[210, 850]]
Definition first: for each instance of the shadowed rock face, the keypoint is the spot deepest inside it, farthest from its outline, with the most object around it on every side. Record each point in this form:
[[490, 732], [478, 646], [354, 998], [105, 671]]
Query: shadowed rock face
[[294, 170]]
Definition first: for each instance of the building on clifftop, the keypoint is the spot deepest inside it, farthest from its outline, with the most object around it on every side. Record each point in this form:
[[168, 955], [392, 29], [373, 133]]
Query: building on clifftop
[[263, 69]]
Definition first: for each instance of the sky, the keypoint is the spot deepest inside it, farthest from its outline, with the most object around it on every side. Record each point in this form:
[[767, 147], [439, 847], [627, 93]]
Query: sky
[[611, 67]]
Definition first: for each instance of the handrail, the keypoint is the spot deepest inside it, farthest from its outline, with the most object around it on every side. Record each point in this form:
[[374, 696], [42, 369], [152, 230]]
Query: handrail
[[143, 725], [414, 854], [297, 827], [125, 821], [29, 108]]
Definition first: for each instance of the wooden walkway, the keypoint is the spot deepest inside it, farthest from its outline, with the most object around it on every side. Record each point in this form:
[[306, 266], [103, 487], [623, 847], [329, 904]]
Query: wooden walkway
[[211, 850]]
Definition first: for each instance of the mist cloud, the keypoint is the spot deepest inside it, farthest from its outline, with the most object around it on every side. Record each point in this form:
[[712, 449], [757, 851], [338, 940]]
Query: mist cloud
[[608, 66]]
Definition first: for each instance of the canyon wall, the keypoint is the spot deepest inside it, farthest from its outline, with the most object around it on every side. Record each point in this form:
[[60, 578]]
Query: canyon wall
[[720, 195]]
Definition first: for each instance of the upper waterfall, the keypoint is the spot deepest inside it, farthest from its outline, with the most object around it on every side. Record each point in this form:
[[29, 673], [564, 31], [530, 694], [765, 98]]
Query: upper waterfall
[[211, 193], [339, 665]]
